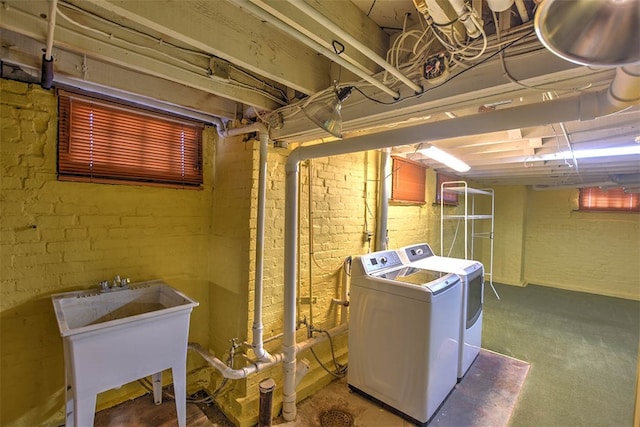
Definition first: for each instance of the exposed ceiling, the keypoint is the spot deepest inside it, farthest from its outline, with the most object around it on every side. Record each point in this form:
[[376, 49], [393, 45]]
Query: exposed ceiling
[[260, 59]]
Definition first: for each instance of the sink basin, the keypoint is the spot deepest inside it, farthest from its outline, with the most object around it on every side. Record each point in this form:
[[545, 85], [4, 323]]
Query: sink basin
[[116, 337], [84, 311]]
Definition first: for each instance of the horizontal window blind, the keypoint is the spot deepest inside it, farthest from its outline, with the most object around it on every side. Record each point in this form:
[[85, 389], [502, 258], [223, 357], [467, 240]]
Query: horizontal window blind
[[408, 181], [449, 197], [103, 142], [613, 199]]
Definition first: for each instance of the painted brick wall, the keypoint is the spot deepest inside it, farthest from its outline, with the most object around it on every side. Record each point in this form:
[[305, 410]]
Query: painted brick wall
[[60, 236], [591, 252], [509, 235]]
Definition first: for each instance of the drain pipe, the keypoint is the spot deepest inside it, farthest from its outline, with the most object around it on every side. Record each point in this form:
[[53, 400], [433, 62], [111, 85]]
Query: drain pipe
[[383, 199], [46, 76], [257, 329], [236, 374], [621, 93]]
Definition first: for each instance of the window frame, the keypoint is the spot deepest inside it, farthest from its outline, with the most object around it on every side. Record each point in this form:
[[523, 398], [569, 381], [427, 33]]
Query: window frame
[[408, 181], [451, 199], [104, 140], [596, 199]]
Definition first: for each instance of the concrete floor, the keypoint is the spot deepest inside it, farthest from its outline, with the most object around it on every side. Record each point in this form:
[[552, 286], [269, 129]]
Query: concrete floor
[[485, 397]]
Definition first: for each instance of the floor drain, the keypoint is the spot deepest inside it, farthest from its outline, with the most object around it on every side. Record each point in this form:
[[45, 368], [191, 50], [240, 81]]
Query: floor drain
[[336, 418]]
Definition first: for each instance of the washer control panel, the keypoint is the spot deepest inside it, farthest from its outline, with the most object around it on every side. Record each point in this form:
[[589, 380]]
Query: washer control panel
[[416, 252], [382, 260]]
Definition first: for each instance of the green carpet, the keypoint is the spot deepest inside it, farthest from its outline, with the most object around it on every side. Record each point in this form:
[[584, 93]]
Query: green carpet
[[583, 351]]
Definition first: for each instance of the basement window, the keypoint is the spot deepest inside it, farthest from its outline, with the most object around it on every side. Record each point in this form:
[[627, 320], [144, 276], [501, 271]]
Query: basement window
[[596, 199], [104, 141], [449, 197], [408, 181]]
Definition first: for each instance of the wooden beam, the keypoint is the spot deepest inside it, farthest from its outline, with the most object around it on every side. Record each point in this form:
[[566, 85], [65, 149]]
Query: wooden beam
[[23, 18], [90, 70], [219, 28], [348, 16]]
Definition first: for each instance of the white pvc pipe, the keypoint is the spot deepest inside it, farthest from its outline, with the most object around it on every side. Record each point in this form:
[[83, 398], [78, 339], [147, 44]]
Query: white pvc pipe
[[334, 28], [253, 9], [383, 199], [465, 17], [257, 343], [53, 7], [236, 374], [586, 106]]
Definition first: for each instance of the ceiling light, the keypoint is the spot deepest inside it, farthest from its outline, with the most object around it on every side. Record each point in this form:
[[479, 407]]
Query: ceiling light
[[327, 113], [443, 157], [590, 153]]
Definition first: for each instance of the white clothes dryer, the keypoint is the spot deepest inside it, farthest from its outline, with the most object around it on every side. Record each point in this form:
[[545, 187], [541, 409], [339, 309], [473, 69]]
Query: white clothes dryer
[[472, 277], [403, 334]]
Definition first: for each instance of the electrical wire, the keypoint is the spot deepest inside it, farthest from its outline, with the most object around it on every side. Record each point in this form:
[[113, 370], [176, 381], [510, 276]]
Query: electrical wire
[[418, 95]]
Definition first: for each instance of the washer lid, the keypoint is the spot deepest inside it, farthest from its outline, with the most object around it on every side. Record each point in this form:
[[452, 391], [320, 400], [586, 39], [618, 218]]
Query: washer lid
[[435, 281]]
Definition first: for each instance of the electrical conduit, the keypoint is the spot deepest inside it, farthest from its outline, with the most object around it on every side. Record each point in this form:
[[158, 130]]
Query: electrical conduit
[[621, 93]]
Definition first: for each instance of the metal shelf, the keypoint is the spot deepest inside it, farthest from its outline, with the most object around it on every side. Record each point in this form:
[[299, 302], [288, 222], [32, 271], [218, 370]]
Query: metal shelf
[[469, 216]]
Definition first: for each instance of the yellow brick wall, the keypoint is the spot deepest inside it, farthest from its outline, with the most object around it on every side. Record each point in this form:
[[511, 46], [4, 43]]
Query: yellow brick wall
[[60, 236], [590, 252], [203, 242], [510, 205]]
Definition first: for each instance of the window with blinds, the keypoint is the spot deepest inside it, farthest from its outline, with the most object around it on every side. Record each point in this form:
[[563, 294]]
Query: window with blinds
[[611, 200], [408, 181], [449, 197], [107, 142]]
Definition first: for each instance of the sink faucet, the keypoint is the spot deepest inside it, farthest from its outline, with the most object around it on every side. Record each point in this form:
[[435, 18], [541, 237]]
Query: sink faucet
[[116, 285]]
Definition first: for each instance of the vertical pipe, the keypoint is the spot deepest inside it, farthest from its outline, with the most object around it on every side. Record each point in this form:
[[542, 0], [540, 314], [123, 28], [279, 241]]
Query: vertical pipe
[[258, 348], [46, 76], [266, 398], [383, 199], [53, 6], [258, 342], [290, 255], [310, 267]]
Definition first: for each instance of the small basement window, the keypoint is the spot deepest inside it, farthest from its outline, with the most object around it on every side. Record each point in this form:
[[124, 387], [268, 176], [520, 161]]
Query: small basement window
[[610, 200], [449, 197], [103, 141], [408, 181]]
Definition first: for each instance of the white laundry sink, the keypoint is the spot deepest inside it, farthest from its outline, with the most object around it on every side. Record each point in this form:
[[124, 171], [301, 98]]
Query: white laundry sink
[[112, 338], [84, 311]]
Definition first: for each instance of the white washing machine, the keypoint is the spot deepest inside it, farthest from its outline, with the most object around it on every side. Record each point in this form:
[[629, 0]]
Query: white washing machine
[[472, 277], [403, 334]]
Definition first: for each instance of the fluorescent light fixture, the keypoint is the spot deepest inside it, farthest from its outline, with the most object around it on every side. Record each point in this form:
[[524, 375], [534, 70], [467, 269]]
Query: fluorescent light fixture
[[590, 153], [443, 157]]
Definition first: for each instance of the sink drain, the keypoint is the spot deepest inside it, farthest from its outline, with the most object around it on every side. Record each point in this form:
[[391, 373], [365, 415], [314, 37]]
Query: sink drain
[[336, 418]]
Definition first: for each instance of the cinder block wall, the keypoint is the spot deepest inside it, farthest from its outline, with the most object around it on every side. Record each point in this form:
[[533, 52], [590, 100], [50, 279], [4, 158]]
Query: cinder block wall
[[61, 236]]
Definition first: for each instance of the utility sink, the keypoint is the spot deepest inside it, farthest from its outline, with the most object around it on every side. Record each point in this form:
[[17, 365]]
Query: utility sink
[[112, 338], [84, 311]]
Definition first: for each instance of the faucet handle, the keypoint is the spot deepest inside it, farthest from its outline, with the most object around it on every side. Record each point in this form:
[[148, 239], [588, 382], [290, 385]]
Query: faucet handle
[[103, 285], [125, 282]]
